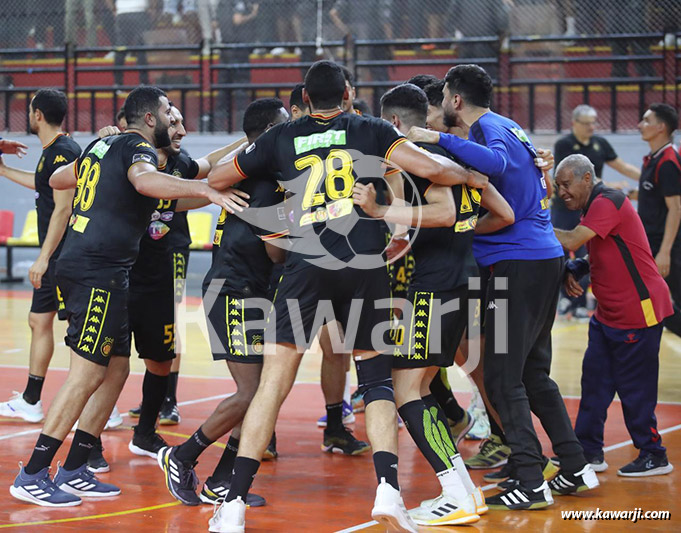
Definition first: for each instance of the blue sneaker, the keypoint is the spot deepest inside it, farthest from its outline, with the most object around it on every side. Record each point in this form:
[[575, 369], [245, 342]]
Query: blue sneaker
[[83, 482], [41, 490], [348, 416]]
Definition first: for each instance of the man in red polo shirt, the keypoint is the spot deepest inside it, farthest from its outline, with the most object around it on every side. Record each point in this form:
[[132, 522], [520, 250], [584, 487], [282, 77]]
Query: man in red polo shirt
[[624, 334]]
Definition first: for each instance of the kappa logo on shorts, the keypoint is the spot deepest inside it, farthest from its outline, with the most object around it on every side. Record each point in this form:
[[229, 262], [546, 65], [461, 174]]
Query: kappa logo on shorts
[[94, 320]]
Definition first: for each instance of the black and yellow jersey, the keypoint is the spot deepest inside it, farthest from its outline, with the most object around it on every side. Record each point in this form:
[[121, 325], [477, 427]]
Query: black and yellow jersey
[[153, 269], [109, 215], [239, 255], [61, 151], [319, 158], [444, 256]]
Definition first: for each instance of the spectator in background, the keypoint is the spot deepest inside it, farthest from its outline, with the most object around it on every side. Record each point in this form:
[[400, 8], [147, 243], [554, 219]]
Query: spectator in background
[[71, 27], [132, 20], [659, 200], [599, 151]]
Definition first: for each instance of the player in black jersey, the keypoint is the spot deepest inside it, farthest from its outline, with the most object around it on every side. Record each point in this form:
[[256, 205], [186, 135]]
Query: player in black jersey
[[115, 197], [46, 113], [335, 255], [429, 334], [240, 270]]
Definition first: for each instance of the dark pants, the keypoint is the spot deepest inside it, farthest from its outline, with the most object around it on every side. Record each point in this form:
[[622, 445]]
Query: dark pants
[[563, 218], [130, 28], [626, 362], [673, 323], [517, 378]]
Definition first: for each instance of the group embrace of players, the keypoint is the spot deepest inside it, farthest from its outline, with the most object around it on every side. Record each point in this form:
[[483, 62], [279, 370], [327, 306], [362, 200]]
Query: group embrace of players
[[316, 194]]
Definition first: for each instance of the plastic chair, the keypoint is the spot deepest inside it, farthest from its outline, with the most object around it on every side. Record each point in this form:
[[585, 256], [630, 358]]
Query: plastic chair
[[29, 235], [6, 225]]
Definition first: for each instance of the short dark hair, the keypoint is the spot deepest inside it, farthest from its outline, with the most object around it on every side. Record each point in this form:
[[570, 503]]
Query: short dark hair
[[260, 114], [296, 97], [434, 93], [52, 105], [407, 100], [325, 84], [473, 84], [140, 101], [421, 80], [666, 114], [120, 114], [363, 107], [347, 74]]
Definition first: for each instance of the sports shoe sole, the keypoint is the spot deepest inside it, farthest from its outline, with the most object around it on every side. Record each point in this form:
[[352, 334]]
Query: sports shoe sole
[[207, 500], [466, 429], [659, 471], [599, 467], [141, 451], [444, 521], [531, 507], [21, 494], [336, 449], [228, 529], [87, 494], [168, 421], [17, 414], [391, 519], [160, 459], [100, 470]]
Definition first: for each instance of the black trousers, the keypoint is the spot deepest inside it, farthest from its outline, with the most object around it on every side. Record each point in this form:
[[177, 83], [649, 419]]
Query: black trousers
[[521, 307], [673, 323]]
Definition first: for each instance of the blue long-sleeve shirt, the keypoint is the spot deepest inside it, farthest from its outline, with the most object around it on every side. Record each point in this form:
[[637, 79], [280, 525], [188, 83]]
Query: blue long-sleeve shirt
[[499, 148]]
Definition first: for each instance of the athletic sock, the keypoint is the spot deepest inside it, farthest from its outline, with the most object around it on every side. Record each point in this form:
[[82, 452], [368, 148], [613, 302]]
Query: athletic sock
[[334, 417], [385, 464], [430, 435], [347, 395], [452, 484], [460, 467], [440, 388], [245, 470], [45, 449], [496, 430], [153, 393], [223, 471], [171, 393], [34, 388], [437, 413], [189, 451], [80, 450]]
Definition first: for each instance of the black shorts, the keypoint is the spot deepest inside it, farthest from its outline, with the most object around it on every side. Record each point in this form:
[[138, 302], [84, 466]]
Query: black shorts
[[180, 265], [152, 323], [228, 317], [400, 273], [98, 321], [417, 336], [308, 287], [48, 298]]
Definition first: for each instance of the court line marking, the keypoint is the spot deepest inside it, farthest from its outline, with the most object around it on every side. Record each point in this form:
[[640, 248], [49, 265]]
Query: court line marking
[[93, 517], [493, 485]]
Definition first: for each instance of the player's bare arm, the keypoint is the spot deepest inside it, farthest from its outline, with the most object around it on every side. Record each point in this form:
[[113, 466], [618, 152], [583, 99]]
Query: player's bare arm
[[13, 147], [207, 162], [64, 177], [499, 212], [576, 238], [149, 182], [663, 258], [63, 200], [225, 173], [22, 177]]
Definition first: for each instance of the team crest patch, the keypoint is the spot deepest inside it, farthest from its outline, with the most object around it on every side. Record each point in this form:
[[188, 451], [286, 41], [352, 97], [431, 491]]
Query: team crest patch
[[40, 165], [106, 346], [257, 344], [158, 230]]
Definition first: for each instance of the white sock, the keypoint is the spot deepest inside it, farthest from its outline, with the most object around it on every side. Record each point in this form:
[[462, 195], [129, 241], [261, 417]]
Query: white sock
[[452, 484], [460, 467], [346, 394]]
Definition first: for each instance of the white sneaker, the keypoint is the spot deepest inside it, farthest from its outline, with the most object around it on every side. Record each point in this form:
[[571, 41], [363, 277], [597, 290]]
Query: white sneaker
[[17, 407], [446, 511], [479, 499], [115, 419], [480, 429], [229, 517], [389, 510]]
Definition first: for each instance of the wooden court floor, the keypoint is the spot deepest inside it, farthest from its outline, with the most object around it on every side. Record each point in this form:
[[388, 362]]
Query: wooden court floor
[[307, 490]]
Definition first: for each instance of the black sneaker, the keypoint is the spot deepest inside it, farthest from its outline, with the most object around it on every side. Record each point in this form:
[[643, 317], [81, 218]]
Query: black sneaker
[[518, 497], [95, 461], [148, 445], [343, 441], [135, 412], [503, 473], [180, 478], [647, 465], [170, 414], [213, 491], [565, 483], [271, 450]]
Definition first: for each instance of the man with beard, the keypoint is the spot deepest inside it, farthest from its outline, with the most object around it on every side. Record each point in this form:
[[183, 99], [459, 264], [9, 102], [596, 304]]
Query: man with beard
[[116, 194], [525, 265], [46, 113]]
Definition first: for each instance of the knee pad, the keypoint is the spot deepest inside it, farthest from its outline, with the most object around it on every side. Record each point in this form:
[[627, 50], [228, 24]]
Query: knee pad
[[375, 378]]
